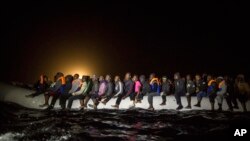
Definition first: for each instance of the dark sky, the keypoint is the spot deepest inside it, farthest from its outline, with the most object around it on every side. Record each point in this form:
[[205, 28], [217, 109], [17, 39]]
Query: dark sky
[[46, 37]]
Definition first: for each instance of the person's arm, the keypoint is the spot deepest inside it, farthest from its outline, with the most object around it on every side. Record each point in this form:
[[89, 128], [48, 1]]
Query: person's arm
[[120, 85], [57, 86], [74, 87], [139, 91], [84, 86], [222, 90]]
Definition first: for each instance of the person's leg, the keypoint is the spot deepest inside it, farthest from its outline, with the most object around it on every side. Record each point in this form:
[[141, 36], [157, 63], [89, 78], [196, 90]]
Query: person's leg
[[140, 96], [229, 102], [46, 100], [199, 97], [188, 101], [150, 100], [53, 101], [164, 99], [178, 101], [37, 93], [118, 101], [86, 100], [63, 100], [212, 100], [234, 100], [219, 99], [95, 98], [71, 99], [105, 101], [132, 100], [243, 100]]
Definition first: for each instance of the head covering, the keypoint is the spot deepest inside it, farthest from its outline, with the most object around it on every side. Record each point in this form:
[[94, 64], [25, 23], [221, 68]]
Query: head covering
[[220, 77], [164, 77]]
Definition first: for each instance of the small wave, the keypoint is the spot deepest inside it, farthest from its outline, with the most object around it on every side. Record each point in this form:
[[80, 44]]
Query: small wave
[[11, 136]]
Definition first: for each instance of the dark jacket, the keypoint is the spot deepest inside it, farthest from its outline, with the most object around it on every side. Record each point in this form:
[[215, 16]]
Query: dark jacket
[[67, 87], [56, 87], [109, 89], [165, 88], [145, 88], [190, 87], [201, 86], [42, 87], [128, 87], [95, 88], [179, 86]]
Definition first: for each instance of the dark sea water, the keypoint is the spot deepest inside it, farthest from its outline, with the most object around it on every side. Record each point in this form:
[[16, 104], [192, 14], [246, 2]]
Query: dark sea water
[[19, 123]]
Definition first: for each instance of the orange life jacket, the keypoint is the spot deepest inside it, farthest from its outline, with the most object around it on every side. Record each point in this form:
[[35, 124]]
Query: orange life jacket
[[210, 82], [155, 79], [62, 78]]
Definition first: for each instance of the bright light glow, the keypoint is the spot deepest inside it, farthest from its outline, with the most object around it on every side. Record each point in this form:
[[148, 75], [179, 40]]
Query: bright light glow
[[80, 70]]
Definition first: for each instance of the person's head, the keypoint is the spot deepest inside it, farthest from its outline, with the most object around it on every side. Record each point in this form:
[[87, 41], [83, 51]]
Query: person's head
[[177, 76], [117, 78], [45, 78], [219, 79], [127, 76], [164, 79], [151, 76], [197, 77], [69, 78], [76, 76], [135, 78], [209, 77], [84, 78], [240, 78], [188, 77], [142, 78], [108, 78], [204, 76], [94, 78], [101, 78], [59, 74]]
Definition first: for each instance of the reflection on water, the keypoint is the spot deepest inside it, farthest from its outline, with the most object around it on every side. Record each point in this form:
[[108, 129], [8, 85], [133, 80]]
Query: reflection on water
[[19, 123]]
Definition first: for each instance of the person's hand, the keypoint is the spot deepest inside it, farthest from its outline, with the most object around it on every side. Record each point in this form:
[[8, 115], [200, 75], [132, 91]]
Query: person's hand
[[73, 94], [187, 94], [161, 93]]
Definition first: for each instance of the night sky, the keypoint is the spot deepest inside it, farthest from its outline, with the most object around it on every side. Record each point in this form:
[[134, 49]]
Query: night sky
[[91, 38]]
